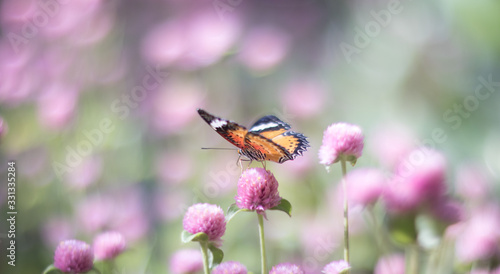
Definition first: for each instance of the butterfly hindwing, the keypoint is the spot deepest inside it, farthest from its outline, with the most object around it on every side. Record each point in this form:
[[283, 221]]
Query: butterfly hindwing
[[229, 130], [269, 126], [295, 143]]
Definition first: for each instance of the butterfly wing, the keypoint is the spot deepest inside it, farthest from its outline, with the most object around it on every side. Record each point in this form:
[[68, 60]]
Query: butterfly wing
[[261, 148], [287, 145], [295, 143], [269, 126], [229, 130]]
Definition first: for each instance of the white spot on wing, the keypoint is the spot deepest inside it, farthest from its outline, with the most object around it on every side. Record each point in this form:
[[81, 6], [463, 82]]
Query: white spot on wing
[[217, 123], [264, 126]]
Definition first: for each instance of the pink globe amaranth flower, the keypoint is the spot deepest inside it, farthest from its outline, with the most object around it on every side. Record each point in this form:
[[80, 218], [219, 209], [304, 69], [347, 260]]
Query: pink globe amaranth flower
[[286, 268], [390, 264], [479, 236], [257, 190], [108, 245], [205, 218], [447, 210], [186, 261], [365, 186], [419, 178], [230, 267], [341, 139], [336, 267], [74, 256]]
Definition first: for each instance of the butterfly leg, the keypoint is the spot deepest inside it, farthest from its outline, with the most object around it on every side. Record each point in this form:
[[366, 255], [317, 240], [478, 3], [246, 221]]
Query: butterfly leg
[[263, 164]]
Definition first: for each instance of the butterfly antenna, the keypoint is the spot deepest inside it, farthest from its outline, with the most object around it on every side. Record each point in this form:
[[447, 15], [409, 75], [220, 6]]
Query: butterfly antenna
[[220, 148]]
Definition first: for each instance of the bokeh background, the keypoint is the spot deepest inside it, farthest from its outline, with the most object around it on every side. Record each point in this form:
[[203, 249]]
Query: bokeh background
[[98, 102]]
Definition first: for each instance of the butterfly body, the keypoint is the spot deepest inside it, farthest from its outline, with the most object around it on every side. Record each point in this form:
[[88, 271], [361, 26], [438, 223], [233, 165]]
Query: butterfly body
[[268, 139]]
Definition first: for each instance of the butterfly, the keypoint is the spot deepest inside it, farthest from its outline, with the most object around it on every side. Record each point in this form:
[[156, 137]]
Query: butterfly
[[268, 139]]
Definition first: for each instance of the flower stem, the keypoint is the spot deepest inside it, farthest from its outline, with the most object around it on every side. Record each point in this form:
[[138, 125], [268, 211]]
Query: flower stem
[[204, 252], [262, 244], [346, 213], [413, 259]]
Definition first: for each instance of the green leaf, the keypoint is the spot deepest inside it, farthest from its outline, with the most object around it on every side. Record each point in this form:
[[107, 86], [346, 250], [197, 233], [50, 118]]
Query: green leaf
[[284, 206], [51, 268], [232, 211], [187, 237], [217, 255]]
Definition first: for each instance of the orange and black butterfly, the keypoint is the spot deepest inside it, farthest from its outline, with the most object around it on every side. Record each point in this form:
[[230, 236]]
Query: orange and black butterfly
[[268, 139]]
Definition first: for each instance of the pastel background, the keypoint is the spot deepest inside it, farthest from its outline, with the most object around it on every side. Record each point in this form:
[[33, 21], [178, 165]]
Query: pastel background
[[98, 103]]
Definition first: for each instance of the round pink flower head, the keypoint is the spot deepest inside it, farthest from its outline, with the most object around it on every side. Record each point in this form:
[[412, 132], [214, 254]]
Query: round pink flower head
[[230, 267], [108, 245], [419, 178], [205, 218], [257, 190], [365, 185], [73, 256], [390, 264], [286, 268], [186, 261], [336, 267], [341, 140]]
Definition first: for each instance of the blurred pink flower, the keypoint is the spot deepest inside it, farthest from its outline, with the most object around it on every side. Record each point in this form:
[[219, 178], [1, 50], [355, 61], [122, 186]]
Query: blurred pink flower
[[257, 190], [391, 264], [56, 229], [130, 216], [304, 98], [472, 183], [447, 210], [205, 218], [480, 235], [15, 11], [67, 17], [186, 261], [264, 48], [365, 186], [86, 173], [56, 105], [73, 256], [230, 267], [286, 268], [391, 143], [174, 167], [336, 267], [198, 40], [94, 212], [419, 178], [170, 204], [341, 139], [174, 106], [108, 245], [3, 127]]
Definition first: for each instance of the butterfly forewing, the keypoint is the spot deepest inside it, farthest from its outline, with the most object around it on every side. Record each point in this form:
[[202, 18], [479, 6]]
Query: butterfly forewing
[[229, 130], [266, 148]]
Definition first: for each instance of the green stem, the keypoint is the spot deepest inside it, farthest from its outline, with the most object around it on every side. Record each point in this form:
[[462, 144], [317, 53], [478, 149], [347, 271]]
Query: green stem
[[379, 235], [413, 259], [262, 244], [346, 213], [204, 252]]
